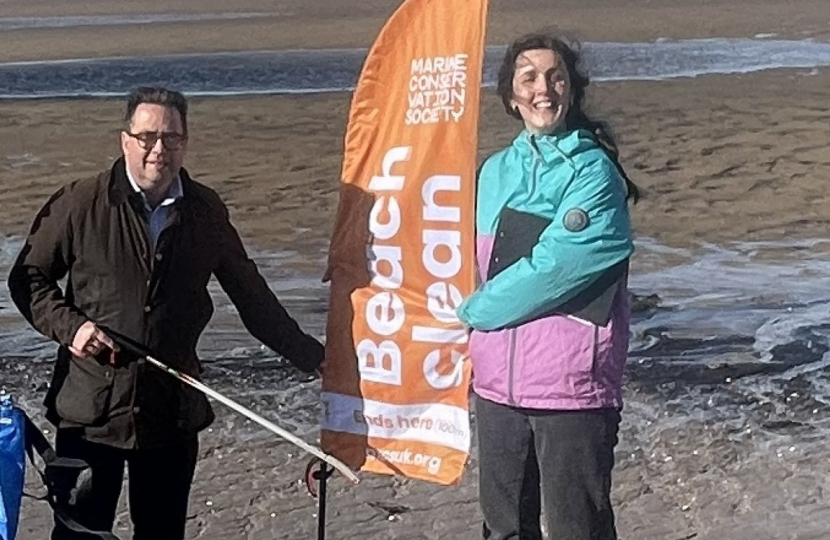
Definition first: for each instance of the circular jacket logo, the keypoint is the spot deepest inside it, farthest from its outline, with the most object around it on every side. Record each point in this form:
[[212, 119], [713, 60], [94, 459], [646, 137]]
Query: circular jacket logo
[[575, 220]]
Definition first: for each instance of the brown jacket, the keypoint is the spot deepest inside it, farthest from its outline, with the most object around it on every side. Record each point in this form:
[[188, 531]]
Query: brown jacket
[[95, 231]]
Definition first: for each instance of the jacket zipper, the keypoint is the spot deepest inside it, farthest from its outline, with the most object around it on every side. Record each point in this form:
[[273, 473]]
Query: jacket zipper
[[537, 157], [595, 352], [511, 358], [510, 363]]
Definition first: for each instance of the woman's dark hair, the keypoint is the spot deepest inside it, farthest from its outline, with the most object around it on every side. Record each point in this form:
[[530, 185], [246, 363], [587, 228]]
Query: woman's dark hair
[[576, 118]]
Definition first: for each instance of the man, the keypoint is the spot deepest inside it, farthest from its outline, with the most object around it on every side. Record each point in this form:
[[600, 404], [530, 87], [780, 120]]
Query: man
[[139, 243]]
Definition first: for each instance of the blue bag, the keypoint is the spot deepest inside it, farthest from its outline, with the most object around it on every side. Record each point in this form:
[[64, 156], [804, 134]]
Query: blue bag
[[12, 466], [19, 437]]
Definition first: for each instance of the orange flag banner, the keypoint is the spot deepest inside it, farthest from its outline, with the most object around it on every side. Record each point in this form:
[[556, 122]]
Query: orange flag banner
[[395, 382]]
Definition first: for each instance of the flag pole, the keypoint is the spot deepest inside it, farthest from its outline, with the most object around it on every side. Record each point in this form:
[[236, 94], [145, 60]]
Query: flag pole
[[317, 474], [323, 475]]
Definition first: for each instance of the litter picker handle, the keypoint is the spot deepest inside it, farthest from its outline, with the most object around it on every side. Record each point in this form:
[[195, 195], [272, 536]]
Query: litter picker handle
[[130, 346]]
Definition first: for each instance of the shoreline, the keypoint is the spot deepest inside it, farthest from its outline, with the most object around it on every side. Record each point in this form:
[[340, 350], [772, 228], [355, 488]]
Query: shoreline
[[278, 73]]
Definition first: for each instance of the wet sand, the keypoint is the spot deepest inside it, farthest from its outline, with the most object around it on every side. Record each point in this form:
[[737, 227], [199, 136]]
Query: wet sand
[[738, 157], [719, 158]]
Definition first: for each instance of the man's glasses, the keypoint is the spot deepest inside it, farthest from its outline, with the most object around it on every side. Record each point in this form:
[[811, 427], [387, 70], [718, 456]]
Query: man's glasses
[[148, 139]]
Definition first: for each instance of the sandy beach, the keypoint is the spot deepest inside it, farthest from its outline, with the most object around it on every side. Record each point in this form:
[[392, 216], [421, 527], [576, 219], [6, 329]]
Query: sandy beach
[[314, 24], [720, 159]]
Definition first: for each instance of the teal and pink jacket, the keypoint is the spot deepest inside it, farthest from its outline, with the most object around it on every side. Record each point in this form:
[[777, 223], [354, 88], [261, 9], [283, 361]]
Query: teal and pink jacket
[[550, 320]]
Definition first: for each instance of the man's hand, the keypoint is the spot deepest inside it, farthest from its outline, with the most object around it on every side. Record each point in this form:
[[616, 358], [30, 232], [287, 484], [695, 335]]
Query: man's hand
[[90, 341]]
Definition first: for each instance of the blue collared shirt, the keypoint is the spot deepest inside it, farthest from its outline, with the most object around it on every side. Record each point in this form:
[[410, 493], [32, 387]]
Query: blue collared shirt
[[157, 217]]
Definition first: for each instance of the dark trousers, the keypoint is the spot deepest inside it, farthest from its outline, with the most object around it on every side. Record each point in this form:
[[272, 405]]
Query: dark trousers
[[559, 461], [159, 487]]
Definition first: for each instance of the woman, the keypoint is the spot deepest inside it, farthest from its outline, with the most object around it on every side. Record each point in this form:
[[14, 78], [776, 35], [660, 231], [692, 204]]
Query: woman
[[550, 320]]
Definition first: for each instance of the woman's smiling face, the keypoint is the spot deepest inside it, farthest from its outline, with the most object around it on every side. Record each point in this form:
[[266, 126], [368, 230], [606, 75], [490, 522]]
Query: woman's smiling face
[[541, 90]]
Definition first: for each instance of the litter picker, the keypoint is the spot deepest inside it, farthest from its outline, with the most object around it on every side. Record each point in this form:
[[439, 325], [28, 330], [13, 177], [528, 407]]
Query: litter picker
[[141, 352]]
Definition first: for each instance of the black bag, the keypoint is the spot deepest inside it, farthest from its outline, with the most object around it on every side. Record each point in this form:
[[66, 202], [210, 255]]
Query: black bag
[[36, 442], [516, 236]]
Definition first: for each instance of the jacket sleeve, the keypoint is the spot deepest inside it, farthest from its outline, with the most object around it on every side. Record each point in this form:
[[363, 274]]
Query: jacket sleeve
[[261, 313], [45, 259], [564, 262]]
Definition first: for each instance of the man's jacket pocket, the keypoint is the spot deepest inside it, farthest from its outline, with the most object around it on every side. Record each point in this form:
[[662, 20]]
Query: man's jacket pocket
[[84, 397]]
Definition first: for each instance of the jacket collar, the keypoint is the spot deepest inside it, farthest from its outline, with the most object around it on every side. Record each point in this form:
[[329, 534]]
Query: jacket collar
[[120, 189], [563, 145]]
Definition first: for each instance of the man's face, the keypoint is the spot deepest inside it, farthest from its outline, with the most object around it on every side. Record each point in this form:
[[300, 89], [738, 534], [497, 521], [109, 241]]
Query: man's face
[[154, 146]]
